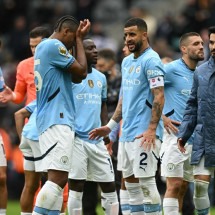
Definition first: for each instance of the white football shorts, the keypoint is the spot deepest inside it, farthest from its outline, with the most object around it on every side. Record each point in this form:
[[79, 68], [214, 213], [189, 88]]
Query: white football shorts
[[31, 153], [56, 145], [137, 161], [200, 169], [3, 161], [174, 163], [91, 162]]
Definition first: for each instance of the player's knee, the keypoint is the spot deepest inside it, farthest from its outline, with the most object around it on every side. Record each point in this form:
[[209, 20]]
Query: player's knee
[[110, 203], [174, 186], [150, 191], [201, 199], [76, 185], [200, 188], [3, 179], [107, 187]]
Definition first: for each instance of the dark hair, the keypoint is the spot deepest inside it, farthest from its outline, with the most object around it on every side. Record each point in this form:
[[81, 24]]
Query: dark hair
[[107, 54], [211, 30], [139, 22], [66, 21], [184, 37], [40, 31]]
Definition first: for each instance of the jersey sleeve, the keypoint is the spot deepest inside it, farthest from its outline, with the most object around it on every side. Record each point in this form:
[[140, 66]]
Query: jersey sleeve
[[154, 68], [21, 85], [31, 106], [59, 55], [104, 89]]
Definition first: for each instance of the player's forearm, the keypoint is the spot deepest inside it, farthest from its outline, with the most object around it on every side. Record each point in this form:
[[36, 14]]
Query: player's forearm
[[18, 97], [104, 114], [157, 107], [19, 121], [80, 55], [117, 116]]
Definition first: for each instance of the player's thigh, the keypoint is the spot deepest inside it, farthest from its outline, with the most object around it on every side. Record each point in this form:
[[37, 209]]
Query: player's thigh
[[128, 154], [100, 167], [79, 164], [145, 162], [200, 169], [56, 145]]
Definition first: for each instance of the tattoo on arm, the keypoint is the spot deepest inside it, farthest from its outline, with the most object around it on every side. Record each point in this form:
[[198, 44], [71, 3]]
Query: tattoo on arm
[[117, 116], [157, 106]]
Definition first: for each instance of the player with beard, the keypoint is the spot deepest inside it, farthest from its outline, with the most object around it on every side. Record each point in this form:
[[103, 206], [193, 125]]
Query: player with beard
[[140, 107], [199, 117], [175, 166]]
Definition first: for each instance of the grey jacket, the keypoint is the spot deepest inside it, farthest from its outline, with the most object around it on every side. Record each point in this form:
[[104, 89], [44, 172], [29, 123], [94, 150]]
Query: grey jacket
[[200, 115]]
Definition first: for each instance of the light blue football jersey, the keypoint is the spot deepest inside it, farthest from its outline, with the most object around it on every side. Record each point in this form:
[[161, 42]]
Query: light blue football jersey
[[137, 98], [30, 129], [88, 97], [55, 103], [178, 83]]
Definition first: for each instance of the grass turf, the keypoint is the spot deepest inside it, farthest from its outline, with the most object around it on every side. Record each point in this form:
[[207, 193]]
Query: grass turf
[[13, 208]]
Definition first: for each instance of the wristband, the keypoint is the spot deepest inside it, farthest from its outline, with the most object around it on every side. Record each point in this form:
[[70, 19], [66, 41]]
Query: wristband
[[111, 124]]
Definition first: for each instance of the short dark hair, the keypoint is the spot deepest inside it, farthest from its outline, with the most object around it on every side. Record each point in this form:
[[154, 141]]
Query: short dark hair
[[185, 36], [211, 30], [139, 22], [107, 54], [40, 31], [66, 21]]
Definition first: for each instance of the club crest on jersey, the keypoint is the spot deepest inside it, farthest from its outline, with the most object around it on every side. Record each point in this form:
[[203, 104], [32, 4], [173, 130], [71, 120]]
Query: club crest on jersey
[[131, 69], [62, 50], [137, 69], [99, 84], [90, 83]]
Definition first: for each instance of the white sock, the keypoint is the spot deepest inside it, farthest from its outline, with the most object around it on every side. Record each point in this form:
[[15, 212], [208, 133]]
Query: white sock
[[75, 203], [24, 213], [135, 198], [47, 198], [2, 211], [124, 202], [110, 203], [170, 206]]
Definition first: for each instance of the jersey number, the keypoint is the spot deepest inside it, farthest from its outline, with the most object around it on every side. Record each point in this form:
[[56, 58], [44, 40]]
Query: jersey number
[[143, 164]]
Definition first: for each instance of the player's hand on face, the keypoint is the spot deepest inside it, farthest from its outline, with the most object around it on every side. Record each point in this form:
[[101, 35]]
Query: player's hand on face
[[147, 140], [6, 95], [181, 145], [97, 133], [83, 28]]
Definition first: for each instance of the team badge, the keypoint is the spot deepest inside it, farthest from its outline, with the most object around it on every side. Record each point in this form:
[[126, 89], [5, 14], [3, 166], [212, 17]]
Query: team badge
[[138, 69], [99, 84], [131, 68], [170, 167], [90, 83], [62, 50], [64, 160]]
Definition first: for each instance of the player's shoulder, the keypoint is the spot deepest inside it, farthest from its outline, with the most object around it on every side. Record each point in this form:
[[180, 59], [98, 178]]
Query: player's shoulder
[[98, 74], [29, 62]]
